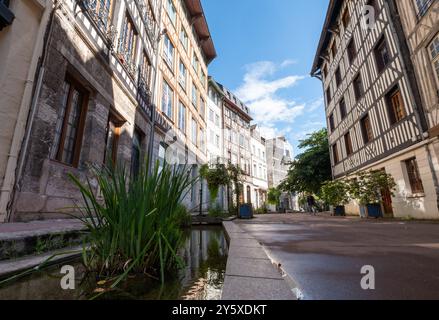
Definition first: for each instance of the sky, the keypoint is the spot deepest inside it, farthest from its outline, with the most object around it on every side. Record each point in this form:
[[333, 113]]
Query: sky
[[265, 53]]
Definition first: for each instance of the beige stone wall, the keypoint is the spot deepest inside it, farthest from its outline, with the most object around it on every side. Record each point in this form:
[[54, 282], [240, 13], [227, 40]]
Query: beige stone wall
[[406, 205], [17, 42]]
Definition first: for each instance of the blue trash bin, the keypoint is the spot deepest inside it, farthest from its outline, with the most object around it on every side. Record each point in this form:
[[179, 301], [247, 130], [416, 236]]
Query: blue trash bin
[[245, 211]]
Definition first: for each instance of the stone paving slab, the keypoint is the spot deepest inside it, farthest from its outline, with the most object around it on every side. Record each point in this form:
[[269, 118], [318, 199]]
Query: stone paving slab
[[14, 266], [245, 288], [250, 274], [249, 243], [255, 268], [246, 252]]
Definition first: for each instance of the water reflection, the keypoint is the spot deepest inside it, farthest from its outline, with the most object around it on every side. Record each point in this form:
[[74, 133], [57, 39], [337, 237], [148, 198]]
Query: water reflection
[[205, 256]]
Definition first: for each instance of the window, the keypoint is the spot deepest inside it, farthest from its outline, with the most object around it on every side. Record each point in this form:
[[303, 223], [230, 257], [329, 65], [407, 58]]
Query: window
[[202, 141], [195, 63], [194, 96], [162, 155], [202, 108], [366, 129], [331, 122], [423, 6], [414, 176], [183, 75], [102, 12], [381, 53], [194, 133], [346, 18], [348, 144], [146, 70], [70, 124], [182, 117], [374, 5], [128, 41], [338, 76], [358, 87], [203, 78], [167, 100], [217, 120], [342, 106], [184, 39], [172, 13], [352, 51], [328, 96], [112, 141], [211, 115], [434, 54], [217, 141], [136, 153], [395, 106], [335, 154], [169, 52]]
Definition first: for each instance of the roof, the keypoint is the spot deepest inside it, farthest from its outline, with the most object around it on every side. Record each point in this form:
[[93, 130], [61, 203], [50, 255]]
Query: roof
[[234, 102], [331, 17], [196, 12]]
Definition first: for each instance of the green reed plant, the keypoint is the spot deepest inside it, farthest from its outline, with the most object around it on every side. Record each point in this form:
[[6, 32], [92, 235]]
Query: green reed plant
[[133, 225]]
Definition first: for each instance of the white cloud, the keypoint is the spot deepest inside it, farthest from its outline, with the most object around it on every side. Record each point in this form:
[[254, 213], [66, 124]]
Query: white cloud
[[260, 92], [287, 63]]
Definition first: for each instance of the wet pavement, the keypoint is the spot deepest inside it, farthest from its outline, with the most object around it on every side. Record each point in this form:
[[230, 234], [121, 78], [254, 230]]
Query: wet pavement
[[324, 255]]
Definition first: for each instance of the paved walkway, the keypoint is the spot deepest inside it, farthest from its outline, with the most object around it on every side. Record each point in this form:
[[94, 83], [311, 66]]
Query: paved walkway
[[324, 255], [250, 274]]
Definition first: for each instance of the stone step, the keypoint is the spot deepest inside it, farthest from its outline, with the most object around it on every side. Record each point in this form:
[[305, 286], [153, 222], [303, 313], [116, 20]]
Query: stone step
[[37, 237]]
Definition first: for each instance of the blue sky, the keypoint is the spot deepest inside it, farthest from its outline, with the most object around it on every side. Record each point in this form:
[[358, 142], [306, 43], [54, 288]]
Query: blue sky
[[265, 53]]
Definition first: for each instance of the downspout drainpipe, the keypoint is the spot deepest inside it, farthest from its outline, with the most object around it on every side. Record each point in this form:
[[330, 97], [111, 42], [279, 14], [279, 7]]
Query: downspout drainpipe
[[20, 126]]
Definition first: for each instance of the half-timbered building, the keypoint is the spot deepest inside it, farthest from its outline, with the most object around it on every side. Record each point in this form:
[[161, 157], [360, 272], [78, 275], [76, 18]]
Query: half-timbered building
[[375, 114]]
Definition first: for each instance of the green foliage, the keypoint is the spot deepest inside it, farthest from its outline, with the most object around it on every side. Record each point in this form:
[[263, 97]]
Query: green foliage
[[273, 196], [312, 168], [182, 217], [216, 177], [262, 210], [217, 212], [367, 186], [335, 193], [135, 227], [235, 177]]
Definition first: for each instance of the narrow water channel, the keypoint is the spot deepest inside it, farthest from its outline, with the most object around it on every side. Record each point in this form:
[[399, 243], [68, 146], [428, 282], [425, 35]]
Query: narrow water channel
[[205, 256]]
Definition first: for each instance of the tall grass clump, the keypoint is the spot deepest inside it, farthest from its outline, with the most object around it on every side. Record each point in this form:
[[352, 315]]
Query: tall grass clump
[[134, 224]]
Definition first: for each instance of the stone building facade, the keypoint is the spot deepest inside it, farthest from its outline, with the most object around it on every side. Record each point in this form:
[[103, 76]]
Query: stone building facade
[[185, 51], [376, 115], [94, 103], [279, 155], [26, 20], [258, 168]]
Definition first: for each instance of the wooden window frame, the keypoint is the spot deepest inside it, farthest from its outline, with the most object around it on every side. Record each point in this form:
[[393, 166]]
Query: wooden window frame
[[118, 123], [343, 110], [366, 129], [81, 122], [348, 144], [379, 58], [338, 78], [415, 180], [335, 155], [352, 51], [331, 123], [395, 115], [358, 92]]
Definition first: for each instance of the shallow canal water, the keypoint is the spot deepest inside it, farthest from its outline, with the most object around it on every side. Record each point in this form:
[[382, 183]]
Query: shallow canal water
[[205, 256]]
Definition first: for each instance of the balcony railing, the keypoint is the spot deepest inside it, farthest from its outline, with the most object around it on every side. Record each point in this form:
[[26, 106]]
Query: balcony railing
[[422, 9], [99, 13], [144, 95], [126, 58], [147, 18]]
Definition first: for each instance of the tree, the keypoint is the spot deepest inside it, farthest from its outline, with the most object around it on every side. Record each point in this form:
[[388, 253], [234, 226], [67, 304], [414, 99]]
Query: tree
[[311, 168], [274, 196]]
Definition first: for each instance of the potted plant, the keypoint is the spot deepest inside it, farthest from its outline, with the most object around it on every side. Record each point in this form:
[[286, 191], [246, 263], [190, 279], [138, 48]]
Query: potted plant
[[335, 193], [366, 188]]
